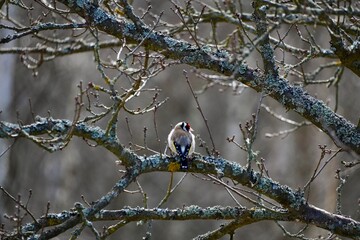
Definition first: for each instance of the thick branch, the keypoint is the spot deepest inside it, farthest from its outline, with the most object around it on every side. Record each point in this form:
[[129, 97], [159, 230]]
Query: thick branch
[[292, 97], [61, 51], [293, 201], [129, 214], [187, 213], [61, 127], [68, 220], [40, 27]]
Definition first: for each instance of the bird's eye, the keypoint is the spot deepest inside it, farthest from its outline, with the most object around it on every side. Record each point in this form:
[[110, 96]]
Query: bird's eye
[[187, 127]]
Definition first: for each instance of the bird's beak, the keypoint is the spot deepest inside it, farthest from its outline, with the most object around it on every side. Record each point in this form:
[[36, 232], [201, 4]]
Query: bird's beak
[[191, 129]]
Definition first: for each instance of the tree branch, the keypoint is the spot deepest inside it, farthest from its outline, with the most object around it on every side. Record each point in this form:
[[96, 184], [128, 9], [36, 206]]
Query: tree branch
[[341, 131], [293, 201]]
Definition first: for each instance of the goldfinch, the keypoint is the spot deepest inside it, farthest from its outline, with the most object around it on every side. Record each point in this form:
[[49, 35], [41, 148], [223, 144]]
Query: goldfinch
[[181, 141]]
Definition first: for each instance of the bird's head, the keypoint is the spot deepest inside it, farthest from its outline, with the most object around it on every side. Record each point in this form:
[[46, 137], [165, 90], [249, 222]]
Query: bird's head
[[184, 126]]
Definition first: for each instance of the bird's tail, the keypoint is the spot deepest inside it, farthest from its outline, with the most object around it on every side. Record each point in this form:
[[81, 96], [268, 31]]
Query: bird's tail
[[184, 163]]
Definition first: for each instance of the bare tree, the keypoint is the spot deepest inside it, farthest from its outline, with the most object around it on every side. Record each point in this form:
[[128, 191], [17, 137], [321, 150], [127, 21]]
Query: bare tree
[[280, 49]]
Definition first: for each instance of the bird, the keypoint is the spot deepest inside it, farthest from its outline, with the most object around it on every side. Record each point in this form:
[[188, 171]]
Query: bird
[[181, 142]]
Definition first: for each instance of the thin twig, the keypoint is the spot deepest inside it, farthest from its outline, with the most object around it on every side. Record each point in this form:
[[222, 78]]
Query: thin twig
[[19, 203], [342, 181], [8, 148], [316, 172], [201, 112]]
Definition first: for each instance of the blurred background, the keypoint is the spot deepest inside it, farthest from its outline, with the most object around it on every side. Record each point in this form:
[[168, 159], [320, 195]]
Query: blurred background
[[61, 178]]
